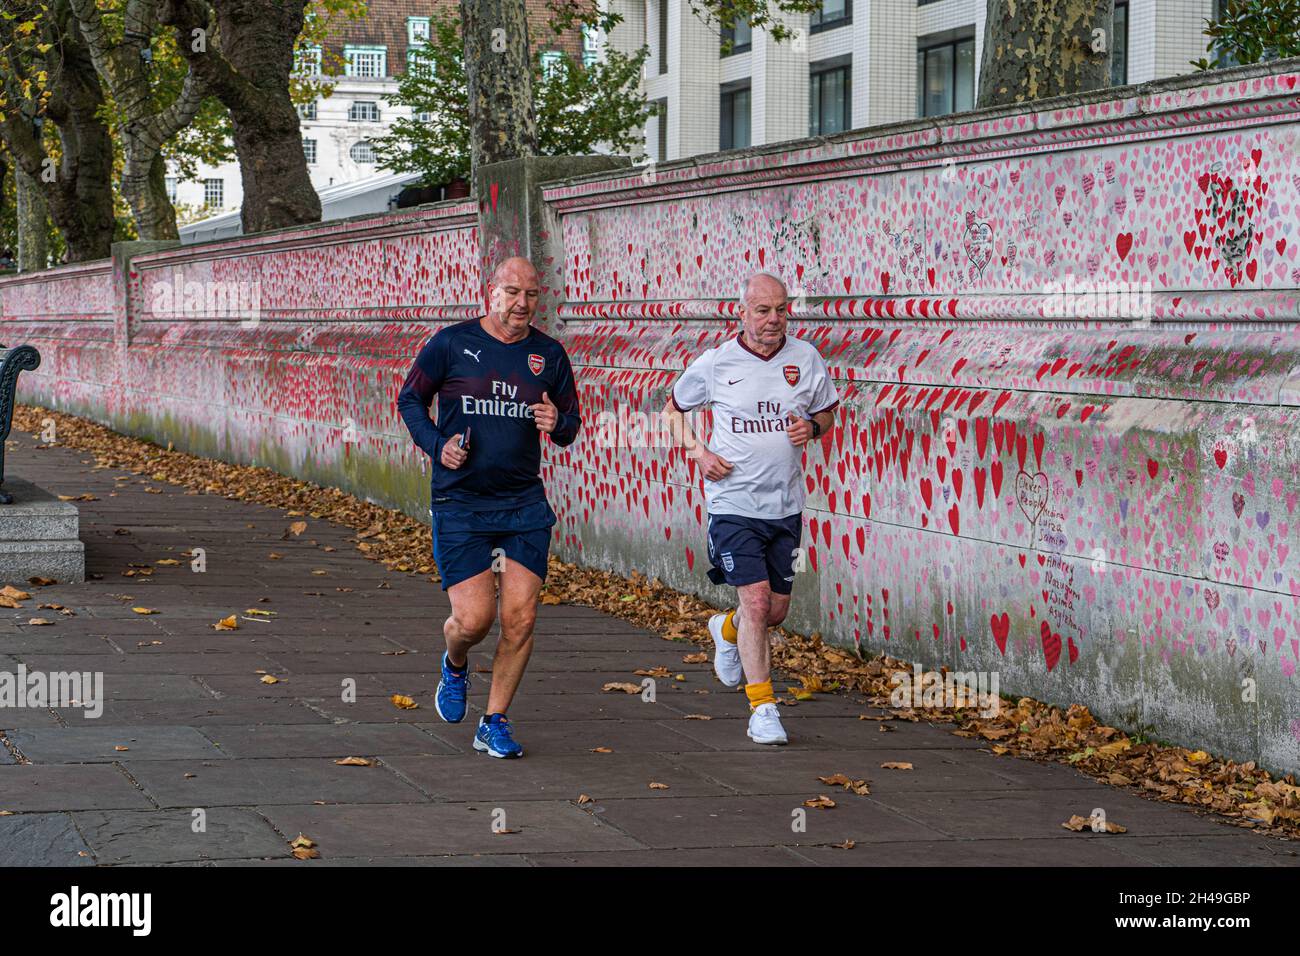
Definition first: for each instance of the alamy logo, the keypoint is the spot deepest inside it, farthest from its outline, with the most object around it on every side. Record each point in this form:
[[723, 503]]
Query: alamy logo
[[473, 355], [103, 909], [39, 690]]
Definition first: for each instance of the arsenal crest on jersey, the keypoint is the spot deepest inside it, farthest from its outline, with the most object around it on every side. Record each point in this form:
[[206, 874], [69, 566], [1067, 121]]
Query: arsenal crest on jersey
[[537, 363], [792, 374]]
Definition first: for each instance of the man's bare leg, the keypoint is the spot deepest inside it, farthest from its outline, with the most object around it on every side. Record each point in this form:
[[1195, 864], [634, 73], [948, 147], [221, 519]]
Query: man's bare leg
[[473, 609], [759, 608], [519, 590], [751, 624]]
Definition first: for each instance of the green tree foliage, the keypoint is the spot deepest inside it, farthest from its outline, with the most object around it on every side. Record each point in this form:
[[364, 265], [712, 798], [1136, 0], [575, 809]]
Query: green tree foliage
[[1252, 31], [578, 107]]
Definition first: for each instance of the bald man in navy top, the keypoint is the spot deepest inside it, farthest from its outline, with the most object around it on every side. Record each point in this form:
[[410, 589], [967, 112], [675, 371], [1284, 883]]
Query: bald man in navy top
[[499, 384]]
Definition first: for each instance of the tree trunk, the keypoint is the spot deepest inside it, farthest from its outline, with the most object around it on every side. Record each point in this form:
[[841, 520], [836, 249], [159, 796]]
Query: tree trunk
[[499, 81], [249, 73], [78, 191], [1034, 49], [33, 224], [144, 188], [81, 197], [149, 124]]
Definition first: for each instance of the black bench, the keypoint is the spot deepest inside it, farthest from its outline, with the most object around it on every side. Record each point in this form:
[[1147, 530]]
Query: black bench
[[12, 361]]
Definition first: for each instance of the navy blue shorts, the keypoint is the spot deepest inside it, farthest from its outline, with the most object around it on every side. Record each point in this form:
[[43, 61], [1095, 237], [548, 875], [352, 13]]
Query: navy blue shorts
[[466, 543], [749, 550]]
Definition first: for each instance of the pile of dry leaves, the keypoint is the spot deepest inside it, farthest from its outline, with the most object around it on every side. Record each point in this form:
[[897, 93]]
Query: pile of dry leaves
[[1246, 793]]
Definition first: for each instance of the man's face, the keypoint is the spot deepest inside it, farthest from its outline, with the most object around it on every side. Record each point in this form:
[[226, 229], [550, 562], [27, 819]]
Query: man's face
[[514, 297], [765, 311]]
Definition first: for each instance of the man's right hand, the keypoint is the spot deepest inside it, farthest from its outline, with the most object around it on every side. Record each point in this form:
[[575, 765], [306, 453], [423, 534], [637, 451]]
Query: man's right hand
[[453, 456], [715, 466]]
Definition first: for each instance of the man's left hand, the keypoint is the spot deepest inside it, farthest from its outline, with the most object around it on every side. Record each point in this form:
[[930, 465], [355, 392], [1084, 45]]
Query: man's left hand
[[547, 415], [799, 430]]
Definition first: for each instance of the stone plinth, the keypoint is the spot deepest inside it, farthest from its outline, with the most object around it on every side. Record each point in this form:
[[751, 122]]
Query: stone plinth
[[38, 536]]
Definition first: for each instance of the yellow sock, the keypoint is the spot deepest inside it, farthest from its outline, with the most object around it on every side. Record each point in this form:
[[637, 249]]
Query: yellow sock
[[729, 632], [759, 694]]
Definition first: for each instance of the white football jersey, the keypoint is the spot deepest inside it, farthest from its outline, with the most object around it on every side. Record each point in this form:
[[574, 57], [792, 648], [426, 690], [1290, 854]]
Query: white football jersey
[[751, 395]]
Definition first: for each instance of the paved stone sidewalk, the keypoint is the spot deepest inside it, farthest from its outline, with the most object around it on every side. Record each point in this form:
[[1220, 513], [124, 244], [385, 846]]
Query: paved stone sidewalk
[[189, 725]]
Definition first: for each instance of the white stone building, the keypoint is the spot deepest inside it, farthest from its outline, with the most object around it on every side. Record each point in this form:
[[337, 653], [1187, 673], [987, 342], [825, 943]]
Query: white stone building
[[856, 63]]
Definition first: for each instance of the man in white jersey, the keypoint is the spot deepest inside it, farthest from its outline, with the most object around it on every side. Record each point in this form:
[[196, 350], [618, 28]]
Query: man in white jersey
[[770, 396]]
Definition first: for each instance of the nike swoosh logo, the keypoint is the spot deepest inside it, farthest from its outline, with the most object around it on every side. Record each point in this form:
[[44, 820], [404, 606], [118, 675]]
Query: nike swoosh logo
[[733, 381]]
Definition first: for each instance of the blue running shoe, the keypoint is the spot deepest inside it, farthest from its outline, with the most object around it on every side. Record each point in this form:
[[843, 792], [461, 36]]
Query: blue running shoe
[[494, 737], [450, 699]]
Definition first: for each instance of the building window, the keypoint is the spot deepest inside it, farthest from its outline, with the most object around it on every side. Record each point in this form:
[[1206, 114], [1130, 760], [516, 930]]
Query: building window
[[417, 30], [171, 188], [661, 154], [424, 116], [309, 150], [1223, 59], [550, 60], [363, 111], [214, 193], [834, 13], [663, 37], [590, 44], [418, 62], [362, 152], [307, 111], [1119, 47], [306, 61], [733, 132], [740, 36], [945, 77], [829, 98], [366, 61]]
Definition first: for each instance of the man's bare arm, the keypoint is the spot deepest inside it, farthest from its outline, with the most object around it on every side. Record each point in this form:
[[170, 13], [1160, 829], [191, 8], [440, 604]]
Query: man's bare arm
[[800, 430], [714, 466]]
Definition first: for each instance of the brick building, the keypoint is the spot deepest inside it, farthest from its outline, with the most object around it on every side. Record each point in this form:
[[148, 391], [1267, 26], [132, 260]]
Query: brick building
[[395, 25], [337, 129]]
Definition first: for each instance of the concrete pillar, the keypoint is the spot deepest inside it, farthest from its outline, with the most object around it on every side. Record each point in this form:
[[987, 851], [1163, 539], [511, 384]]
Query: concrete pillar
[[884, 80], [513, 220], [693, 99], [779, 83], [1142, 41], [126, 287], [627, 37], [1179, 35]]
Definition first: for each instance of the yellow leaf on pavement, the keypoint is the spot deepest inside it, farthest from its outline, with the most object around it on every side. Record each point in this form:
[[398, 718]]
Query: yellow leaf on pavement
[[403, 702], [625, 687], [1115, 749]]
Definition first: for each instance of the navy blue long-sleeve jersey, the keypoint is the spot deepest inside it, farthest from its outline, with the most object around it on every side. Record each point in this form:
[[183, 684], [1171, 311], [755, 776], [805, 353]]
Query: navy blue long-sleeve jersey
[[488, 386]]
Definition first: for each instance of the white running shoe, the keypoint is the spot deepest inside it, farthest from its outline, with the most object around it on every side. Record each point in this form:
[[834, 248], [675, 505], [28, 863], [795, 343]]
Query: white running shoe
[[726, 656], [765, 725]]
